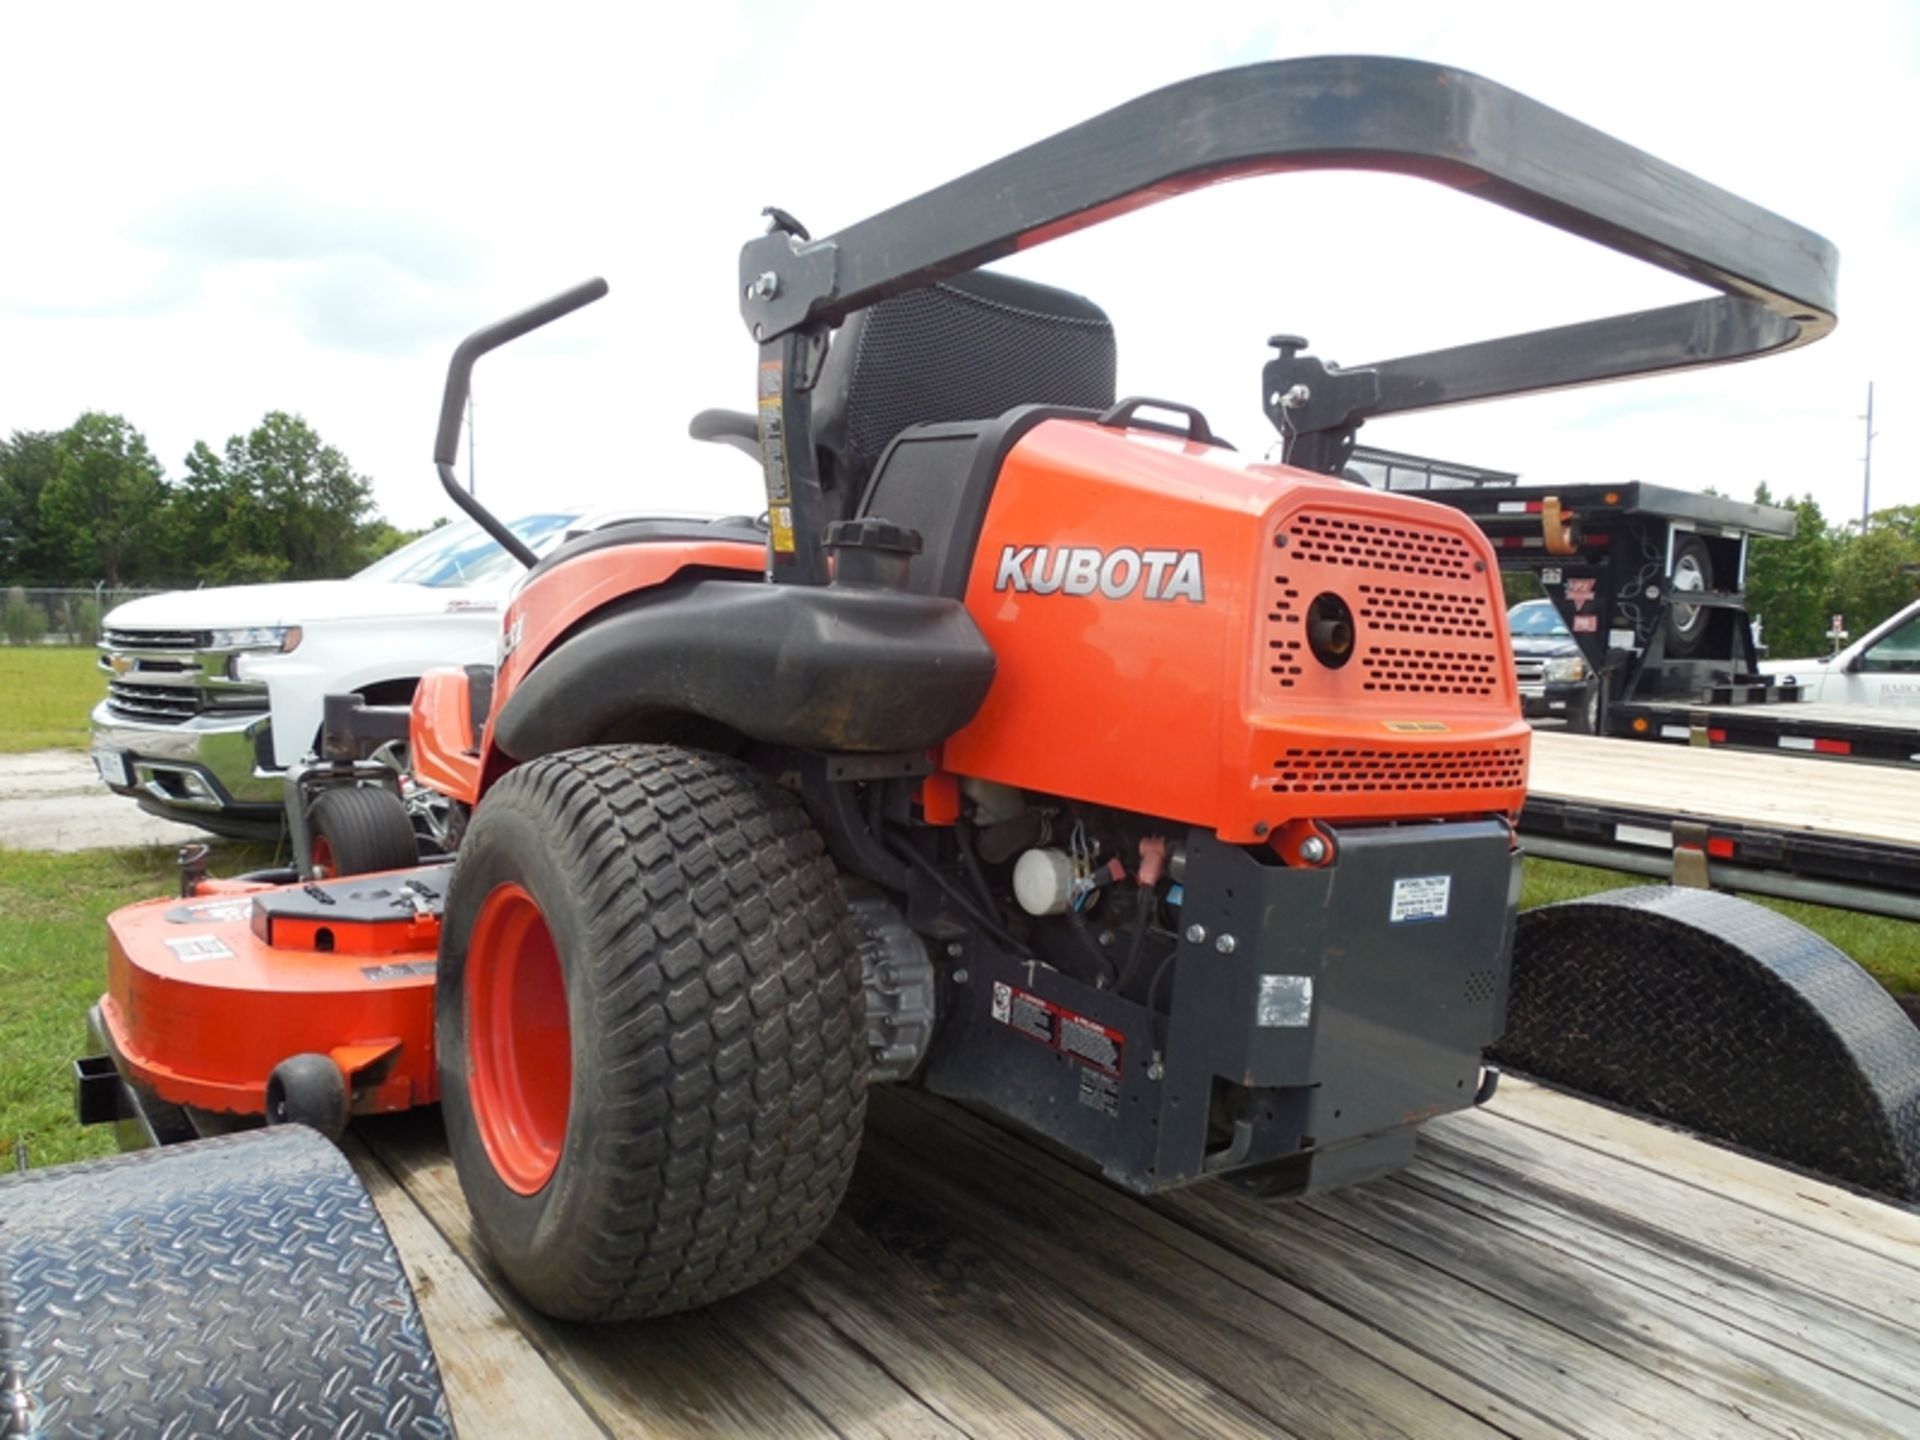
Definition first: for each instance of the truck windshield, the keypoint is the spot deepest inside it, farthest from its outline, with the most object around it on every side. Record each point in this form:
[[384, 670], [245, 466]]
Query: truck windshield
[[1538, 617], [464, 554]]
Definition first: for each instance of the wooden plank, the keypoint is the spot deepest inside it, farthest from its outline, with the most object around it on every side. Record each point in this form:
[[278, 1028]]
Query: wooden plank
[[1826, 1328], [1308, 1364], [1525, 1376], [1782, 792], [862, 1397], [1772, 1388], [495, 1384], [937, 1278], [1891, 1232], [1652, 1205], [685, 1375]]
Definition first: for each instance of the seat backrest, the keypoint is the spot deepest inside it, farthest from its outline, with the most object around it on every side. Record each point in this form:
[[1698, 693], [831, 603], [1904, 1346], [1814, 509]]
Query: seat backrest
[[969, 348]]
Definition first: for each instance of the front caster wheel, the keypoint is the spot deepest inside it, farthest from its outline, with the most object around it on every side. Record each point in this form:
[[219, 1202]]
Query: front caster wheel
[[309, 1090], [648, 1015]]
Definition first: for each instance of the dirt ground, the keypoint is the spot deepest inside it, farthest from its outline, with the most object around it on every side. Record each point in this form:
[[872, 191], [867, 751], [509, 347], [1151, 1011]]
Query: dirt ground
[[53, 800]]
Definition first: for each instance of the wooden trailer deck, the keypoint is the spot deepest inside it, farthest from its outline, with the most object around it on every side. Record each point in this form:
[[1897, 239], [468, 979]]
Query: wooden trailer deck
[[1785, 792], [1547, 1267]]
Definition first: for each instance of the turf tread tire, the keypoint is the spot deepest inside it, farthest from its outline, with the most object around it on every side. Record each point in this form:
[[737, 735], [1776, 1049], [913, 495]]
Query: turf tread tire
[[715, 997], [367, 828]]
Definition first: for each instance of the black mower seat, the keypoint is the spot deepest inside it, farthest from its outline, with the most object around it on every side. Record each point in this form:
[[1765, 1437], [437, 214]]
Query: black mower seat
[[967, 349], [970, 348], [640, 532]]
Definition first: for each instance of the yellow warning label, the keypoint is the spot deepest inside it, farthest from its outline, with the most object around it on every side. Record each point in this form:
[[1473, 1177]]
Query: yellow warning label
[[1416, 727], [780, 526]]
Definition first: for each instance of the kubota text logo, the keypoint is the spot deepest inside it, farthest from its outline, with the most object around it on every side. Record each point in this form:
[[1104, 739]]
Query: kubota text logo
[[1116, 574]]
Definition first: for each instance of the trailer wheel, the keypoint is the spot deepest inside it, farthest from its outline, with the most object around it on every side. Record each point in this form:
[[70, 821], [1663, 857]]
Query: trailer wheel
[[358, 829], [1692, 575], [1584, 718], [649, 1018]]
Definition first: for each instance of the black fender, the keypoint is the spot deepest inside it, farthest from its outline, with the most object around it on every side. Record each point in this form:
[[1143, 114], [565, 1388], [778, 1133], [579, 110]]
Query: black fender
[[1725, 1017], [832, 667]]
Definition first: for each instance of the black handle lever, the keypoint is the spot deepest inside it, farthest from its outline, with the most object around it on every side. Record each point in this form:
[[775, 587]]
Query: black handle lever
[[453, 400], [1198, 430]]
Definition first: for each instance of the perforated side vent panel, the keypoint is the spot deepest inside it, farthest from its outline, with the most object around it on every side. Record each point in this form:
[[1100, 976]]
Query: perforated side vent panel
[[1398, 670], [1376, 545], [1413, 610], [1344, 770], [1283, 634]]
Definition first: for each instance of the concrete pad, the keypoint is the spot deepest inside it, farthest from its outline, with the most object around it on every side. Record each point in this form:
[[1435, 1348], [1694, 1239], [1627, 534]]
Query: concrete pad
[[54, 800]]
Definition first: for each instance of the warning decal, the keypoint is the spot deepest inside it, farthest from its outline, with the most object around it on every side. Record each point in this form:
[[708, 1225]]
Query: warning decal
[[1422, 897], [1075, 1036], [190, 948], [213, 912], [399, 970], [1099, 1091]]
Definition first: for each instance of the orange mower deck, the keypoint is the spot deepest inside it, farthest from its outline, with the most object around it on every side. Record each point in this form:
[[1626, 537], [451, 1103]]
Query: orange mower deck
[[206, 995]]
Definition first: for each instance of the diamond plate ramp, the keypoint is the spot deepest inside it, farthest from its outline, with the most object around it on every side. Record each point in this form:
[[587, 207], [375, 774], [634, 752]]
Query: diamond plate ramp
[[1724, 1017], [242, 1286]]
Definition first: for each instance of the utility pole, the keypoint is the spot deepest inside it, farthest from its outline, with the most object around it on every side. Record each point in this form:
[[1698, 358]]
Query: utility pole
[[1866, 479]]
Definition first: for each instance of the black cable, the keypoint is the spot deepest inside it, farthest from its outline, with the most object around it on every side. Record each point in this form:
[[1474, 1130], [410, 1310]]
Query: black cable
[[1077, 922], [1137, 945], [959, 897], [963, 836], [1153, 992]]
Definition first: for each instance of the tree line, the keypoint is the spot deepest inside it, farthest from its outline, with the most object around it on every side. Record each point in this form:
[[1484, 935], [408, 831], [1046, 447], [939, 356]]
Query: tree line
[[92, 503], [1862, 573]]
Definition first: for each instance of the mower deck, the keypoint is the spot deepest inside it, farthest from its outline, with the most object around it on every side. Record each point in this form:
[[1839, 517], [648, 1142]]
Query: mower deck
[[207, 994]]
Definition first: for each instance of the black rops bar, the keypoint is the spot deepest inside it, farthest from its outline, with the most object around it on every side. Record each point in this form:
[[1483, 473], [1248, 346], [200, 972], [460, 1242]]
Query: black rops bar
[[446, 444], [1343, 113]]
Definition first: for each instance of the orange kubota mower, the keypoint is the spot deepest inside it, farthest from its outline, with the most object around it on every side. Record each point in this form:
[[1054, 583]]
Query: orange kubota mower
[[1036, 747]]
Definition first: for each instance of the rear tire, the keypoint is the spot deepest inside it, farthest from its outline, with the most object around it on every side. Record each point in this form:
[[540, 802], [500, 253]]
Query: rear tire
[[359, 829], [668, 919]]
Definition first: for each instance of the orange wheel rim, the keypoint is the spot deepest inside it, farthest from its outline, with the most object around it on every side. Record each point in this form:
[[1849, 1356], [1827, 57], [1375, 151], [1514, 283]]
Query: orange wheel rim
[[321, 857], [519, 1042]]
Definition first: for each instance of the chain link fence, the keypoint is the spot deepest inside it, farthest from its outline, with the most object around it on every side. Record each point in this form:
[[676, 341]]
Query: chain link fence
[[59, 615]]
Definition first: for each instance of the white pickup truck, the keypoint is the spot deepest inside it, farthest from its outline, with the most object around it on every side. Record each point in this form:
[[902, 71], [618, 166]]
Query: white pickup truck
[[211, 694], [1881, 668]]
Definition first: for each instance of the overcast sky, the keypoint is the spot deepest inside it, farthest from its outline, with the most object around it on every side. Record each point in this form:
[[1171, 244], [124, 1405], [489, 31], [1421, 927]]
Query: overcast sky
[[213, 211]]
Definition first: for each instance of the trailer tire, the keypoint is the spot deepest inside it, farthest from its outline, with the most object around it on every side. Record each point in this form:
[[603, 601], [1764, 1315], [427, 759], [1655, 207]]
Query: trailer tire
[[649, 1019], [359, 829], [1584, 719], [1692, 574]]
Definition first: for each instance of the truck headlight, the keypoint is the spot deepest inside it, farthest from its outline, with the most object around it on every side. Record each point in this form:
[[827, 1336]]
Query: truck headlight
[[1566, 668], [258, 637]]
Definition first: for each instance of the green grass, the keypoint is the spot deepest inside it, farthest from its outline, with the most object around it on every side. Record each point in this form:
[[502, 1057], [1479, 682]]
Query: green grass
[[1889, 950], [53, 966], [46, 693]]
